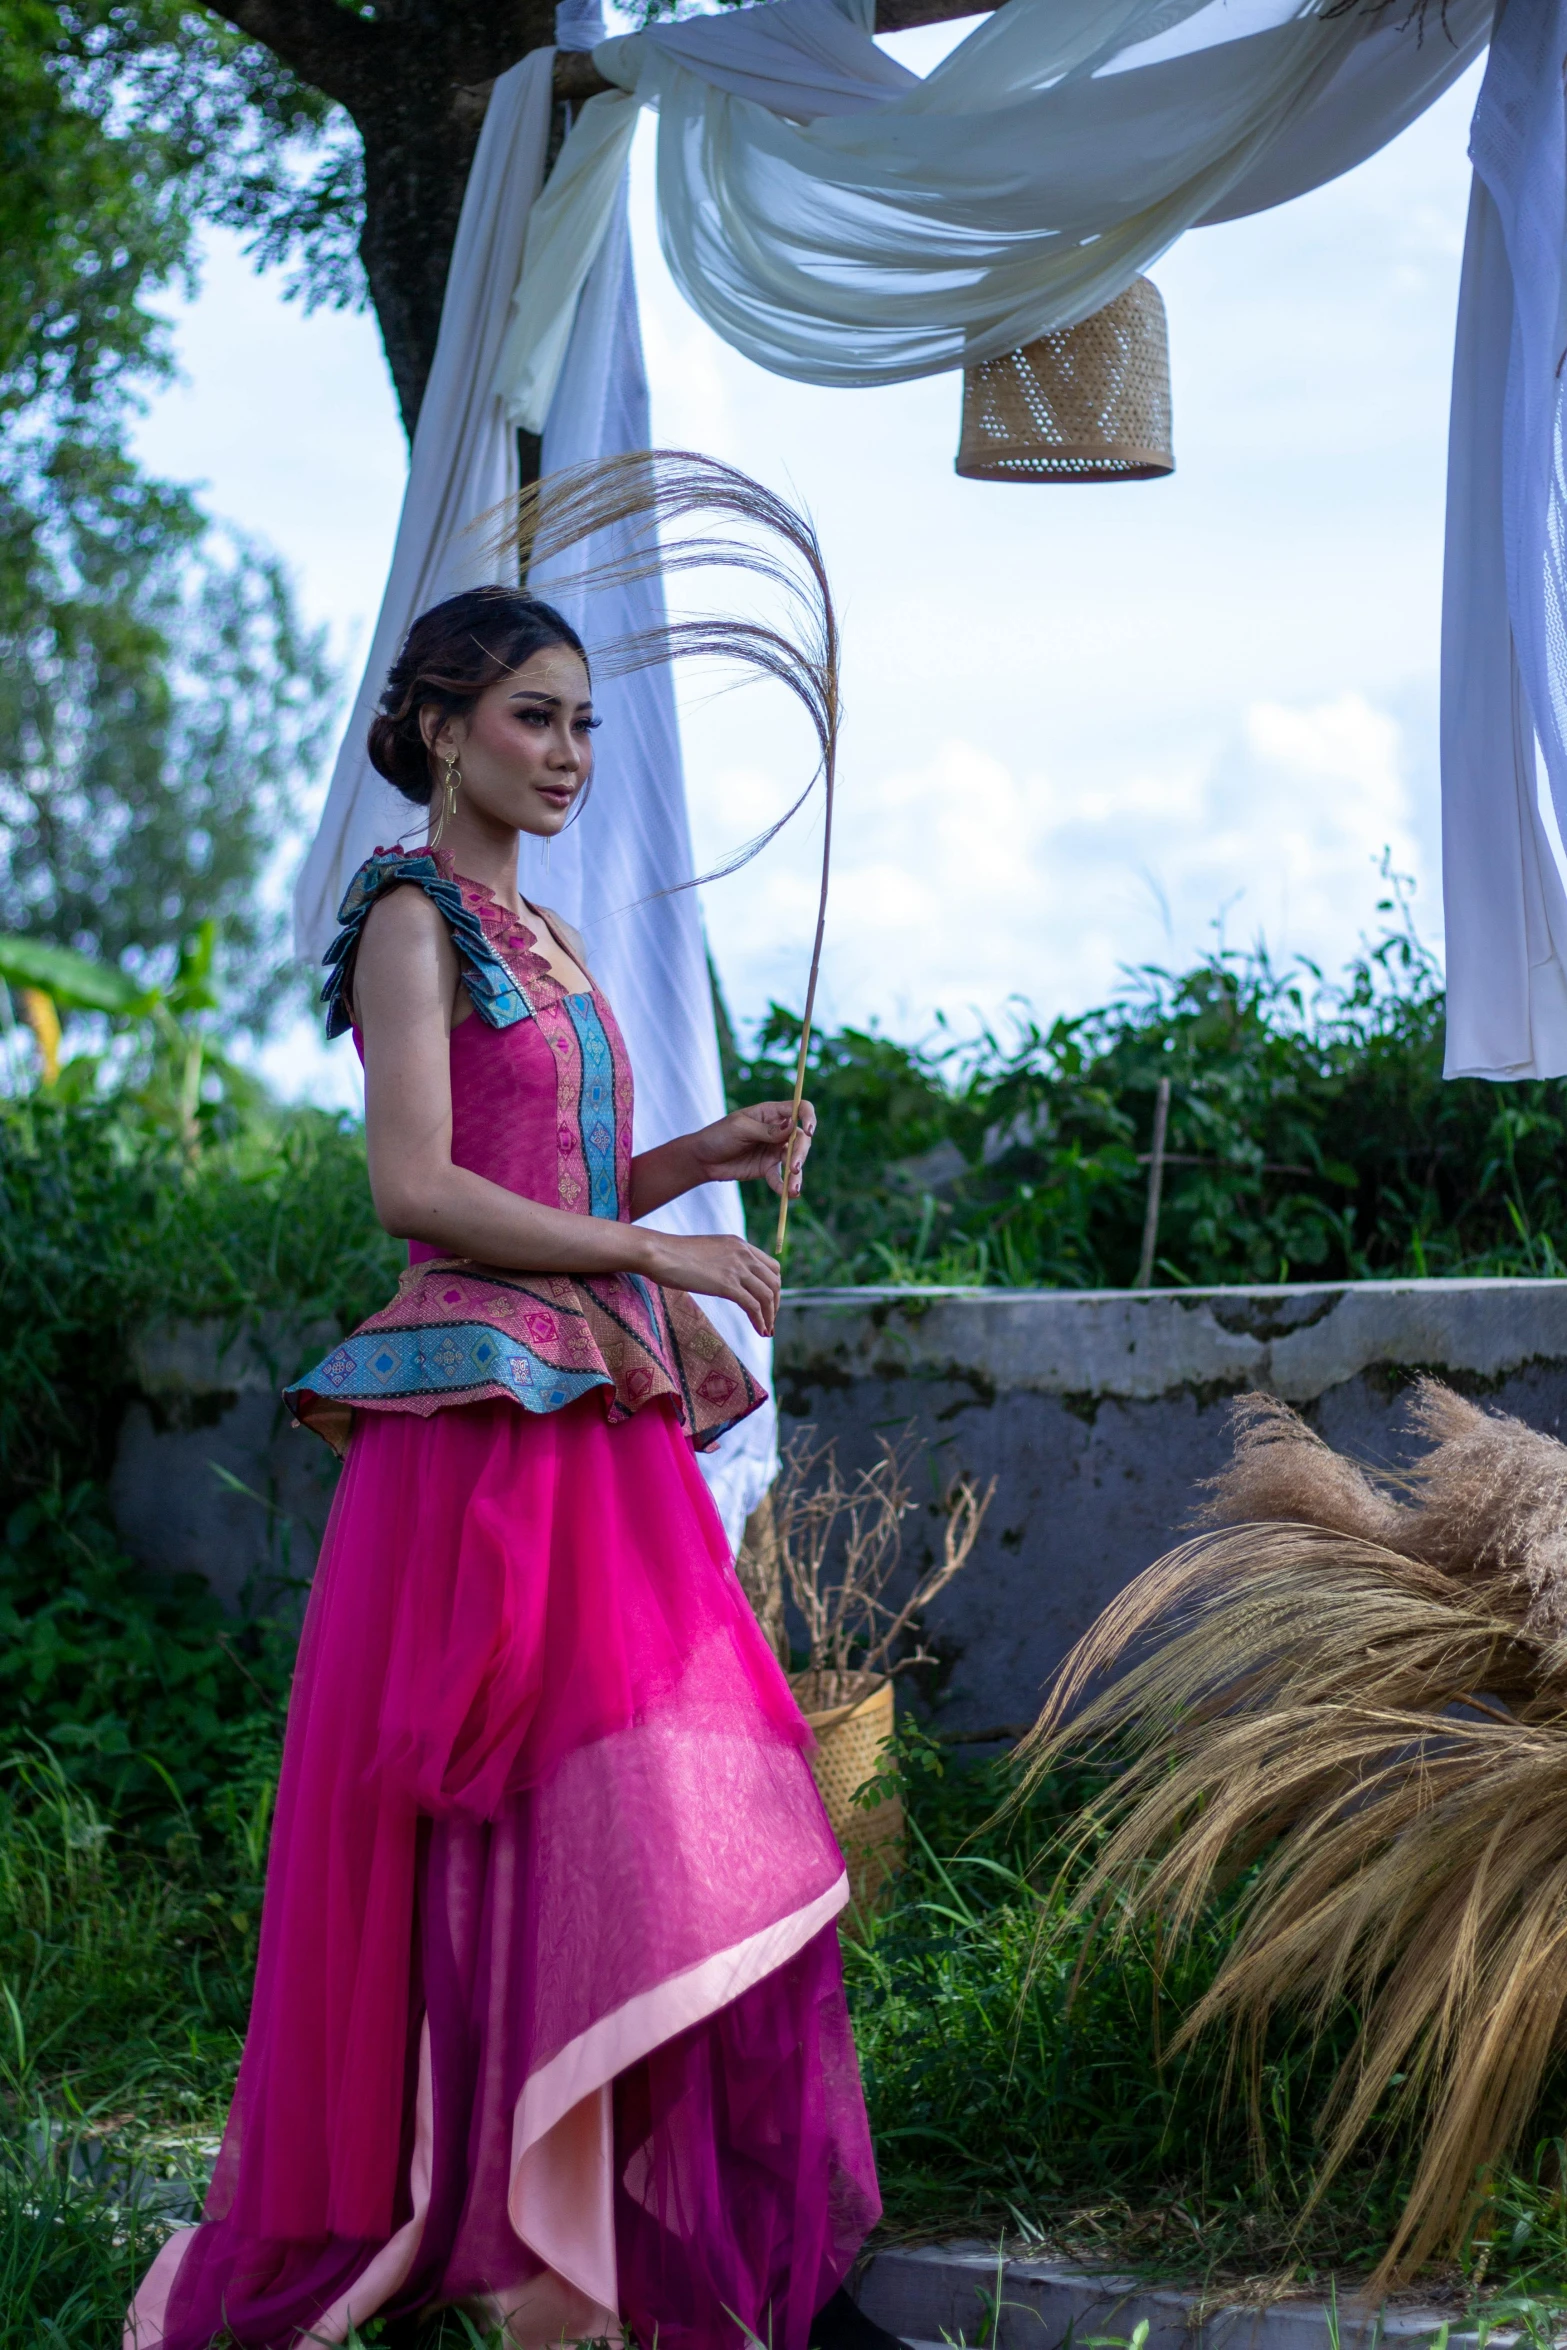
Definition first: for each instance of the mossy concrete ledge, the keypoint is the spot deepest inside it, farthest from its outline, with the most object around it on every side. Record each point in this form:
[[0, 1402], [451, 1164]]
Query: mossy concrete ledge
[[1096, 1411], [1099, 1412], [210, 1477], [951, 2294], [1136, 1345]]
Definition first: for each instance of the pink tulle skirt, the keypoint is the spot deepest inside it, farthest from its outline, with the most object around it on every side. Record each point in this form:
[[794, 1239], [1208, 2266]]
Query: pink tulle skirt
[[548, 2017]]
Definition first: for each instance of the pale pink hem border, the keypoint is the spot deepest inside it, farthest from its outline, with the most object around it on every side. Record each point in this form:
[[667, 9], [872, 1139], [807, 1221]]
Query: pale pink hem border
[[561, 2200], [376, 2282]]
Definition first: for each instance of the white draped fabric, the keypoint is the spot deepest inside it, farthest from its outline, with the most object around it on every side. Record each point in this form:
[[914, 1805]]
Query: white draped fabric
[[632, 840], [1504, 620], [839, 220]]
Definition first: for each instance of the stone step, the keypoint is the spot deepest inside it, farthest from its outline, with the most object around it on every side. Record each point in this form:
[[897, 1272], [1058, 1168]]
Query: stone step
[[945, 2297]]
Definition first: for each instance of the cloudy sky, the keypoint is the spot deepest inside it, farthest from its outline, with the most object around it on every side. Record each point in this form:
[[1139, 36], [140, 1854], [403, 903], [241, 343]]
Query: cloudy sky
[[1086, 725]]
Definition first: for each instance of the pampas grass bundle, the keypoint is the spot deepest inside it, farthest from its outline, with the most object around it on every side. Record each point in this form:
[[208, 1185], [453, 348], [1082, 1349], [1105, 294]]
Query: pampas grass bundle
[[1358, 1689]]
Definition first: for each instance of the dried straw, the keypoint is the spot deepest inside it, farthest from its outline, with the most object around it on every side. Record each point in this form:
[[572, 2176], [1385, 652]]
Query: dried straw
[[673, 511], [1367, 1696], [837, 1546]]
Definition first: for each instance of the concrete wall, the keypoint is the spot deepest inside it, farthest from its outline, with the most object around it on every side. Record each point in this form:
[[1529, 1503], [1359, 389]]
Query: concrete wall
[[1099, 1411], [210, 1478], [1096, 1411]]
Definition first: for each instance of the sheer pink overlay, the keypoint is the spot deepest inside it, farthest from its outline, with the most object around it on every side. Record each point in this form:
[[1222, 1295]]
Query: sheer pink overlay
[[544, 1818]]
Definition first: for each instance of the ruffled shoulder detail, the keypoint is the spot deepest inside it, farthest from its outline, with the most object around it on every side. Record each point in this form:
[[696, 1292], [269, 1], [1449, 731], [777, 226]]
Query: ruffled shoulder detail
[[493, 989]]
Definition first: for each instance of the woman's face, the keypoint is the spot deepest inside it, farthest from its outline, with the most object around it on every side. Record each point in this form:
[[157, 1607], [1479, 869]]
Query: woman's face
[[525, 750]]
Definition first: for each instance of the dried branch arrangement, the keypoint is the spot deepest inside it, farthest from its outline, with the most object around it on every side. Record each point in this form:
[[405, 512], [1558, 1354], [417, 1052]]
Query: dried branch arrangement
[[1363, 1686], [656, 513], [835, 1545]]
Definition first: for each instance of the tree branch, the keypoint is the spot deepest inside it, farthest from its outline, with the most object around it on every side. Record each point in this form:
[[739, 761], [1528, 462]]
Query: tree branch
[[577, 77], [325, 45]]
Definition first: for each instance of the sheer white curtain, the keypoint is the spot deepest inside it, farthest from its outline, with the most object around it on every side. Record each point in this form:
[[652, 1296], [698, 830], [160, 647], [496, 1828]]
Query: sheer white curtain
[[841, 221], [1504, 610]]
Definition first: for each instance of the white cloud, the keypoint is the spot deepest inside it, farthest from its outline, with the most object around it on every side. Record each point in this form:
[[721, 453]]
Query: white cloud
[[963, 881]]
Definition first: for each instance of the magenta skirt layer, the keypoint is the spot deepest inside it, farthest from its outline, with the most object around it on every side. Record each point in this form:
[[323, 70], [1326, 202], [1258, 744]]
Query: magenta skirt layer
[[548, 2017]]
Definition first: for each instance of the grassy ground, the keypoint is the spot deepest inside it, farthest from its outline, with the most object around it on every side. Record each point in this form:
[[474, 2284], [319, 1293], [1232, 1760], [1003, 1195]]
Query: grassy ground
[[1010, 2098]]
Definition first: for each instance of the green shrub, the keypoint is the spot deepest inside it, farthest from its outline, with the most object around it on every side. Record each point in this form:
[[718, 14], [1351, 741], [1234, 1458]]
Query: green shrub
[[150, 1697], [107, 1223], [1311, 1135]]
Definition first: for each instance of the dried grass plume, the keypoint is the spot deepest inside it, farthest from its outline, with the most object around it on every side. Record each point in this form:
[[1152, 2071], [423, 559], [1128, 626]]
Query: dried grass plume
[[1359, 1683], [658, 513]]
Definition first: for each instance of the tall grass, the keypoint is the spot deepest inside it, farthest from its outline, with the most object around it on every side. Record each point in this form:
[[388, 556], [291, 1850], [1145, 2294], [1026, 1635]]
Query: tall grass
[[124, 1983], [70, 2258]]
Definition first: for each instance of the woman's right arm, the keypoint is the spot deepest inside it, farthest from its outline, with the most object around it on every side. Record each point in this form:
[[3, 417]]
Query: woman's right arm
[[406, 980]]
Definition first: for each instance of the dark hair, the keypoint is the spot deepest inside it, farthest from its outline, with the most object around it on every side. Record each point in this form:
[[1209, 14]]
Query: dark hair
[[450, 656]]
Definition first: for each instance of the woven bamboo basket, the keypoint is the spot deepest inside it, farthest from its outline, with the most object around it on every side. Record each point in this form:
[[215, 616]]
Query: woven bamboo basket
[[851, 1739], [1086, 403]]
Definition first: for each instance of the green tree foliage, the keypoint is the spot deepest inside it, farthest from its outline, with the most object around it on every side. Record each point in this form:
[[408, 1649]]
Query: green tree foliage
[[232, 137], [1311, 1135], [159, 700], [113, 1217]]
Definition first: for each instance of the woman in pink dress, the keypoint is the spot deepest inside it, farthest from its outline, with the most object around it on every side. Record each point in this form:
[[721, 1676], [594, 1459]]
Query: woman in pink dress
[[548, 2020]]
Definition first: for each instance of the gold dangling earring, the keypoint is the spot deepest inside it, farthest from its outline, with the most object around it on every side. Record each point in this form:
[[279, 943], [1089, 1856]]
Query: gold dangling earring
[[548, 837], [451, 784]]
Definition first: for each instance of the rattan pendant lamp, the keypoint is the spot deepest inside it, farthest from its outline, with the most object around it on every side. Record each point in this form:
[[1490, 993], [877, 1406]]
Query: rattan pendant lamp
[[1086, 403]]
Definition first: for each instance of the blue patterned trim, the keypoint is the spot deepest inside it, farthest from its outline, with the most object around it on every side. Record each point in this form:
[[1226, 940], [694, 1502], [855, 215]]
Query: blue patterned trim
[[492, 990], [596, 1105], [378, 1365]]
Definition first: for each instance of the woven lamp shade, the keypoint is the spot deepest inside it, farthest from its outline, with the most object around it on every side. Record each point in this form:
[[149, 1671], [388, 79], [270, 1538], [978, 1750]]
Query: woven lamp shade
[[1087, 403]]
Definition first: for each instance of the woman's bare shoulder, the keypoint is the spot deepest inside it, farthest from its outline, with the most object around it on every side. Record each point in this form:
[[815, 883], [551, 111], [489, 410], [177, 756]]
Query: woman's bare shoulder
[[405, 946], [404, 913]]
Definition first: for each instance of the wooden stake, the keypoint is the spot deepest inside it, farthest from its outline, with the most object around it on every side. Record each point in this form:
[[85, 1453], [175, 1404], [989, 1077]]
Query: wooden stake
[[1161, 1119]]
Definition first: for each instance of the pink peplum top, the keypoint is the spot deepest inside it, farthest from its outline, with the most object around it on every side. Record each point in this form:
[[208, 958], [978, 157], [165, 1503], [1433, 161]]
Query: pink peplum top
[[541, 1104]]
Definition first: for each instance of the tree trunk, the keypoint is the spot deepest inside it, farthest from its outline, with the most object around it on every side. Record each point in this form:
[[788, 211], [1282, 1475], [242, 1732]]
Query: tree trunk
[[416, 79]]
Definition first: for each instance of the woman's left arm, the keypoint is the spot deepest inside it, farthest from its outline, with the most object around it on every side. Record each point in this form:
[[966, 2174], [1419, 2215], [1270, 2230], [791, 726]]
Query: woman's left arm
[[732, 1150]]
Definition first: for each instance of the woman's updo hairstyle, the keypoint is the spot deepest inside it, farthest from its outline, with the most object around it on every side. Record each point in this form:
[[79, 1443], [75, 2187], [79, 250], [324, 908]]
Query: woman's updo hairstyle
[[452, 654]]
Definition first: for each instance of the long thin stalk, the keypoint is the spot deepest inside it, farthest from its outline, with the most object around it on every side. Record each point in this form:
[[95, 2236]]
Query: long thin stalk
[[829, 779]]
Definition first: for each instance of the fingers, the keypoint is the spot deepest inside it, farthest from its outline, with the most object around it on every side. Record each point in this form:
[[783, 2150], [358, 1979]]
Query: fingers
[[778, 1116], [728, 1267], [758, 1289]]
